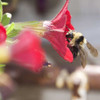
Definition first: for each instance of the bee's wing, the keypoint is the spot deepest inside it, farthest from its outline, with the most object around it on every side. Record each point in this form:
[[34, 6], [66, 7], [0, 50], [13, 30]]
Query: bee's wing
[[83, 58], [93, 51]]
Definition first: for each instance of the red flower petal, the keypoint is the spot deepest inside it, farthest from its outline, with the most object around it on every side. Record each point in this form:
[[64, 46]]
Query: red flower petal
[[57, 39], [3, 35], [63, 19], [28, 52], [62, 22], [68, 22]]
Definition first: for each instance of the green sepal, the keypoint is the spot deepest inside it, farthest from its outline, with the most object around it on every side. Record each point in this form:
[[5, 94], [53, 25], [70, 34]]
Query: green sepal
[[10, 41], [6, 19], [4, 3], [2, 67], [1, 11], [10, 28], [20, 26]]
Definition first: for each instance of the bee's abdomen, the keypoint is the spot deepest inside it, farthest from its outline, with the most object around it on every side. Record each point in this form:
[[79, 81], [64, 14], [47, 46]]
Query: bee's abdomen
[[74, 50]]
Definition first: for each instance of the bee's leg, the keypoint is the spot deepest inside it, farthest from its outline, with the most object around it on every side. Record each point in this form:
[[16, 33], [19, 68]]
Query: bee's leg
[[47, 64], [74, 50]]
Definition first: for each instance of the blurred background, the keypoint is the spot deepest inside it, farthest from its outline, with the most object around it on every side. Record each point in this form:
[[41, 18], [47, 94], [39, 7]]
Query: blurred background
[[25, 85]]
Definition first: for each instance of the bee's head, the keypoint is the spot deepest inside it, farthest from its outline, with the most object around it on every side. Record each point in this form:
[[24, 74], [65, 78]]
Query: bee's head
[[69, 35], [75, 38]]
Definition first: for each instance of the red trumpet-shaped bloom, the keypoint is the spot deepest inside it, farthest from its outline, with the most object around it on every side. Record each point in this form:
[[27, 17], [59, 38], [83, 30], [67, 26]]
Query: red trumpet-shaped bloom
[[27, 51], [3, 35], [57, 30]]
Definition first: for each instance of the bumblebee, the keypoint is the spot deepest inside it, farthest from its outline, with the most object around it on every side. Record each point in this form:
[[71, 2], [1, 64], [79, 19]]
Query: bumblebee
[[76, 45]]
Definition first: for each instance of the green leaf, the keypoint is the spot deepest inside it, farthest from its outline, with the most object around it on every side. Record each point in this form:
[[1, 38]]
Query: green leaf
[[2, 65], [10, 28], [6, 19], [1, 11], [20, 26], [4, 3]]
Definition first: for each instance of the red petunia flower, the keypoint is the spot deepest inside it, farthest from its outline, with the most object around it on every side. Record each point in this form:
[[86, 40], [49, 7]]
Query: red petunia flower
[[3, 35], [27, 51], [57, 30]]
